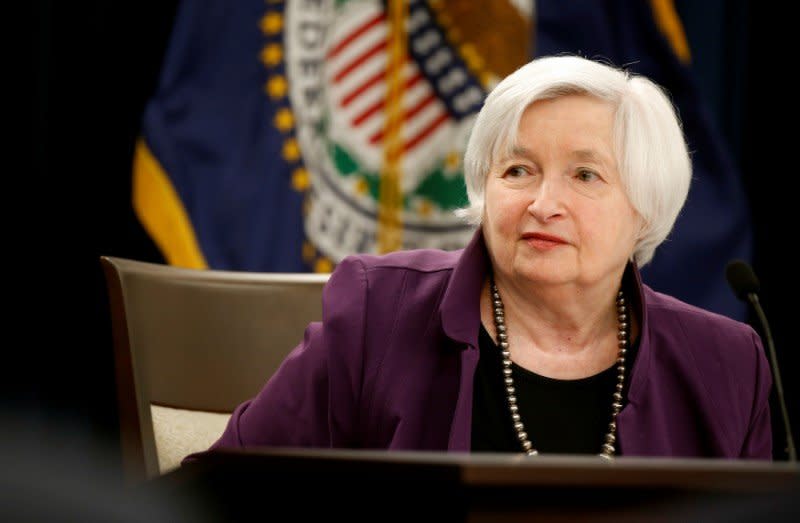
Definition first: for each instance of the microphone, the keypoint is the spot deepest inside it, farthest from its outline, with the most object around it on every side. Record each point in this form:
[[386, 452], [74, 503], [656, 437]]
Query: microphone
[[745, 285]]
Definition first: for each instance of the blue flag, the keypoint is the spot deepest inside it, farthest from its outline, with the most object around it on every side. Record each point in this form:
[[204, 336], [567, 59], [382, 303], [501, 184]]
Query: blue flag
[[285, 135]]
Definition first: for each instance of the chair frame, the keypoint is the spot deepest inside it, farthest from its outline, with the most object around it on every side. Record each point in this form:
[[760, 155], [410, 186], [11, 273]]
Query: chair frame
[[137, 438]]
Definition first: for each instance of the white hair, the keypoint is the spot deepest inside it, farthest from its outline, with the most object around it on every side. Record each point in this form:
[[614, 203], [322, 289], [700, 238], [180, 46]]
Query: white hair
[[649, 145]]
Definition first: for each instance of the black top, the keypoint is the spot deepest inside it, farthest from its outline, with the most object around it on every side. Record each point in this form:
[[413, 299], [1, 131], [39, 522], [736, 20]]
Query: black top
[[560, 416]]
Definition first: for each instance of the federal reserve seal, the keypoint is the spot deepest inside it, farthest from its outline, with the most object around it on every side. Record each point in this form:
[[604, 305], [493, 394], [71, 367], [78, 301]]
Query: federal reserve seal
[[384, 94]]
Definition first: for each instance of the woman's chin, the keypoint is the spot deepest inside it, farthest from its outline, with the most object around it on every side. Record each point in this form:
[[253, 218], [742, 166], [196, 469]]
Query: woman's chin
[[547, 273]]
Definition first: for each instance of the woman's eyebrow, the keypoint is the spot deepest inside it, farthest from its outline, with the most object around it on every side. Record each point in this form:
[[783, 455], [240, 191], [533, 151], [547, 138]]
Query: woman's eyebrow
[[518, 151], [589, 155]]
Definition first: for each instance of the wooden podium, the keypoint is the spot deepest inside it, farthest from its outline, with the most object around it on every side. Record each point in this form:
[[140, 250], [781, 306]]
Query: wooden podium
[[276, 484]]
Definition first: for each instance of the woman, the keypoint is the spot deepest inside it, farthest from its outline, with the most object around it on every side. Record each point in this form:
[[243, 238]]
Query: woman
[[539, 336]]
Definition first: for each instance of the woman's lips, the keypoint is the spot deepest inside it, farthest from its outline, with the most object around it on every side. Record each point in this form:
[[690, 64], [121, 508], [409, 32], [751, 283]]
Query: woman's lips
[[543, 242]]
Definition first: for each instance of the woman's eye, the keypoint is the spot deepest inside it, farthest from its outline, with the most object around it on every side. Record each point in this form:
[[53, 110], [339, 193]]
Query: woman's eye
[[586, 176], [516, 172]]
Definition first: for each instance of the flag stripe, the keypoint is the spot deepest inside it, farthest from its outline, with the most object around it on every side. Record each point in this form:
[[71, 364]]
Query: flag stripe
[[372, 109], [377, 77], [368, 112], [412, 111], [366, 55], [426, 131], [409, 114], [366, 26], [161, 211], [669, 23]]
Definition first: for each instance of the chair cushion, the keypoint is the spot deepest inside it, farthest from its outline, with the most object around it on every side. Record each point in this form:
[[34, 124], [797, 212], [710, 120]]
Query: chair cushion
[[180, 432]]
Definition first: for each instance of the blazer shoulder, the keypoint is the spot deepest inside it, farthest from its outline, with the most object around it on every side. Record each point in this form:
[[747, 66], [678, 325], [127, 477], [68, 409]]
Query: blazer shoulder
[[418, 260], [360, 276], [667, 312]]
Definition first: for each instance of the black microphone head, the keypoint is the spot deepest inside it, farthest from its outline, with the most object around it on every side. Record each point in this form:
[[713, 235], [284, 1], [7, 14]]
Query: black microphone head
[[742, 278]]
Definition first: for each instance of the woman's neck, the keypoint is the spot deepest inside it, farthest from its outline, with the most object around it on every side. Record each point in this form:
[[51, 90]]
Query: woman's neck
[[560, 331]]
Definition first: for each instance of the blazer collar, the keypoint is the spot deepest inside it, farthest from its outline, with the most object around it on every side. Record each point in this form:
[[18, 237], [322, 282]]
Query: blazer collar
[[460, 308], [635, 290]]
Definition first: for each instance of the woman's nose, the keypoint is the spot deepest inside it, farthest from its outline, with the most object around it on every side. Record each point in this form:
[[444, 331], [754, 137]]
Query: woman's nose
[[547, 200]]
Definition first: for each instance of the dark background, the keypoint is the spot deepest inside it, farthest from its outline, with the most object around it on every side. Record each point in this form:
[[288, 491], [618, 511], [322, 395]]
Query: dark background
[[93, 66]]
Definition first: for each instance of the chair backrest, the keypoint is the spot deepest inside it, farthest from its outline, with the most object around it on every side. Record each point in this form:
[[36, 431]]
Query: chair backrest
[[190, 345]]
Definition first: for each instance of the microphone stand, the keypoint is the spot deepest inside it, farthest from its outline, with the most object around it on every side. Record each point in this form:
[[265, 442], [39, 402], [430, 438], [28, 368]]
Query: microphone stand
[[773, 359]]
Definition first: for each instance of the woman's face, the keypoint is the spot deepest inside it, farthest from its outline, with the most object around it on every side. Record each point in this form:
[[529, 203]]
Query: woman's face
[[555, 209]]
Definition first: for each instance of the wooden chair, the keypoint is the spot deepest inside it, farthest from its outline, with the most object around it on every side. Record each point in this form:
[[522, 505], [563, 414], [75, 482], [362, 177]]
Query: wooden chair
[[190, 345]]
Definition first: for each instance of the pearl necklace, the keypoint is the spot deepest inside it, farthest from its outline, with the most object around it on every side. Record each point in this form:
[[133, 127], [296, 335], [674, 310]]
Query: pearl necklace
[[607, 450]]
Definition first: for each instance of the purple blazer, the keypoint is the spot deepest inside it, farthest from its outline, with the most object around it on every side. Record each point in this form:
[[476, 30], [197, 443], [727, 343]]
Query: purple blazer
[[391, 366]]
